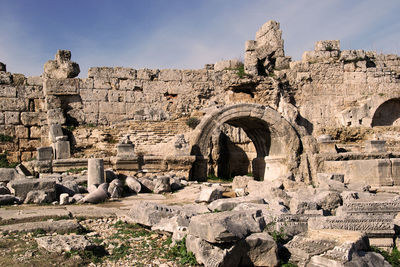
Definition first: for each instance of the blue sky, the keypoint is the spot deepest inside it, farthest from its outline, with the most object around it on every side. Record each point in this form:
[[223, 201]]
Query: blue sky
[[183, 34]]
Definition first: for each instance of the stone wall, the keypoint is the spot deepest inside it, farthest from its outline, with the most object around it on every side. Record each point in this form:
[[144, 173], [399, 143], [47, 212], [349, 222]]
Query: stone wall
[[342, 93], [22, 115]]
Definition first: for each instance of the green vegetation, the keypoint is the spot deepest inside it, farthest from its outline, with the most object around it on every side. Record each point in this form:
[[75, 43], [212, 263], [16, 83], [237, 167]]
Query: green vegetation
[[212, 177], [76, 170], [249, 174], [70, 128], [192, 122], [4, 163], [280, 236], [179, 252], [6, 138], [393, 258]]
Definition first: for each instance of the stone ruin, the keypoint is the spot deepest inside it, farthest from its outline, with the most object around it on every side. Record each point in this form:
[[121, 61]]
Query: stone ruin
[[318, 138]]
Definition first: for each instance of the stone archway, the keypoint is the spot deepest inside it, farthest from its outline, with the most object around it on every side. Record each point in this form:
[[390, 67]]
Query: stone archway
[[276, 141], [387, 114]]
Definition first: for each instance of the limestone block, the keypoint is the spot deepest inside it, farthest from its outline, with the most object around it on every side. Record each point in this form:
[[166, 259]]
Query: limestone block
[[95, 171], [64, 243], [21, 187], [250, 45], [64, 199], [352, 55], [67, 187], [95, 72], [30, 118], [35, 80], [210, 255], [227, 64], [62, 149], [131, 85], [375, 146], [12, 104], [40, 196], [149, 214], [5, 78], [327, 45], [11, 117], [124, 73], [376, 172], [29, 144], [44, 153], [9, 174], [147, 74], [282, 63], [270, 34], [115, 189], [1, 117], [262, 250], [105, 83], [61, 86], [170, 75], [55, 116], [55, 131], [21, 131], [112, 107], [228, 226], [35, 132], [61, 67], [395, 171], [8, 91], [162, 185], [230, 203], [210, 193]]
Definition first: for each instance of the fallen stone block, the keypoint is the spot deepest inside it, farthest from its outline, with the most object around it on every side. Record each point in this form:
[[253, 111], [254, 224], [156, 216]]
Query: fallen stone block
[[147, 185], [227, 204], [69, 187], [149, 214], [49, 226], [241, 182], [262, 250], [162, 185], [133, 184], [60, 243], [9, 174], [40, 196], [210, 193], [21, 187], [64, 199], [228, 226], [211, 255], [115, 189]]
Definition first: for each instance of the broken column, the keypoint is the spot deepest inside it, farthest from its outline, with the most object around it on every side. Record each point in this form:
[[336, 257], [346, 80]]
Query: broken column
[[95, 172]]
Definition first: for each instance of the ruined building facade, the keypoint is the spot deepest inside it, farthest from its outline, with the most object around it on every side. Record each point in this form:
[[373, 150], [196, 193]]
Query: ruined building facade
[[333, 111]]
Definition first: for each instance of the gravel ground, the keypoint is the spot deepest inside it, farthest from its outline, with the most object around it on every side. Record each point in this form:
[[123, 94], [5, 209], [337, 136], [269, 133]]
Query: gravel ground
[[117, 244]]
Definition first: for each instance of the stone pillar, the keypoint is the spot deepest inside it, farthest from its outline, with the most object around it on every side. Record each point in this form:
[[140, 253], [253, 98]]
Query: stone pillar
[[95, 172]]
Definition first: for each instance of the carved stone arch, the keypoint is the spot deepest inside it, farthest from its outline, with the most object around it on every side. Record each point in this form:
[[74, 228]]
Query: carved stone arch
[[387, 113], [274, 137]]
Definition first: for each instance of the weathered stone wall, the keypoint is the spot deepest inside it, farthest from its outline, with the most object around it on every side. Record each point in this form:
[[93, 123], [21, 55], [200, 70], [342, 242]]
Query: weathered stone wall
[[22, 115], [328, 91], [343, 88]]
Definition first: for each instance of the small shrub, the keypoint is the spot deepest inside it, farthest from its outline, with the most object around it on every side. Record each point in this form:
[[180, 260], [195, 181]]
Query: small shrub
[[179, 252], [6, 138], [280, 236], [393, 258], [4, 163], [192, 122]]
